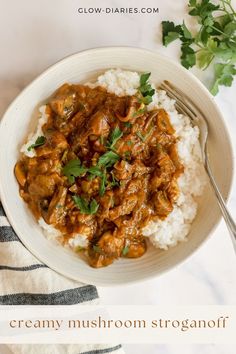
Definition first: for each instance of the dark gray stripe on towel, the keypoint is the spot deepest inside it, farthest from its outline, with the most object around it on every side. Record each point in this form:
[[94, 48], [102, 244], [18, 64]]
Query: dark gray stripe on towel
[[101, 351], [7, 234], [66, 297], [23, 269]]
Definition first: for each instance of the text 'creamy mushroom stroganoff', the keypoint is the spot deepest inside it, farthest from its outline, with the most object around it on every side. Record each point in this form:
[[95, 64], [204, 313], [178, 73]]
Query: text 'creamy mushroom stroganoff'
[[111, 164]]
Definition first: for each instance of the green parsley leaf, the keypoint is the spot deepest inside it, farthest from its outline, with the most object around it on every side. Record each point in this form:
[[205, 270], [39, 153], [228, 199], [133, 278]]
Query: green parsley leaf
[[223, 76], [95, 171], [84, 206], [114, 181], [186, 33], [129, 143], [127, 124], [144, 78], [116, 134], [125, 251], [188, 56], [141, 136], [214, 40], [147, 99], [98, 249], [102, 188], [39, 141], [202, 9], [108, 159], [73, 169], [139, 112], [145, 89], [170, 32]]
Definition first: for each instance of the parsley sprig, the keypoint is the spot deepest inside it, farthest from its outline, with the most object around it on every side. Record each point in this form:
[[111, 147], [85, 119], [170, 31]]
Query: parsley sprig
[[39, 141], [74, 169], [116, 134], [145, 89], [84, 206], [215, 40]]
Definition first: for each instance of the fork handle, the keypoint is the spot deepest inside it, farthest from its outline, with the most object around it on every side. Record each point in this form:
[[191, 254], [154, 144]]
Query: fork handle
[[227, 217]]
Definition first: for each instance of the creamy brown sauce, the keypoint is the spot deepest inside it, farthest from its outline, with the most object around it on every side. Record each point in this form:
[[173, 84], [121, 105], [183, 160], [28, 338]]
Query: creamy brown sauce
[[125, 175]]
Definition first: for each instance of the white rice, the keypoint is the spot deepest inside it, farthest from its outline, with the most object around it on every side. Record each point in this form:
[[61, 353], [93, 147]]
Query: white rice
[[175, 227], [33, 136]]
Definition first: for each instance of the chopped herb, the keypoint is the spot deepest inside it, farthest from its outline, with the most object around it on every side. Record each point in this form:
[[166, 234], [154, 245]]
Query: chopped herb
[[127, 155], [79, 249], [84, 206], [140, 111], [39, 141], [214, 41], [73, 169], [95, 171], [114, 181], [98, 249], [144, 137], [146, 89], [101, 139], [108, 159], [144, 78], [147, 99], [116, 134], [127, 124], [125, 251], [129, 143], [103, 184], [141, 136], [59, 206]]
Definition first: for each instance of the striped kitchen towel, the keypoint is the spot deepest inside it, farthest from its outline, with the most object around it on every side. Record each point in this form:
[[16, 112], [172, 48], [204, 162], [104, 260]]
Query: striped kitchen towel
[[26, 281]]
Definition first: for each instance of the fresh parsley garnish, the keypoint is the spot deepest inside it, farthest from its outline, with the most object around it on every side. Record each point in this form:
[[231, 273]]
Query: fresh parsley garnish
[[39, 141], [95, 171], [145, 89], [97, 249], [144, 78], [140, 111], [129, 143], [127, 124], [214, 41], [74, 169], [141, 136], [116, 134], [223, 76], [84, 206], [127, 155], [114, 182], [102, 187], [125, 251], [108, 159]]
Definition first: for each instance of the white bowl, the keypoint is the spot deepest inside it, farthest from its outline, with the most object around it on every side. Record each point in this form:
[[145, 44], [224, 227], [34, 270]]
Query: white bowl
[[18, 121]]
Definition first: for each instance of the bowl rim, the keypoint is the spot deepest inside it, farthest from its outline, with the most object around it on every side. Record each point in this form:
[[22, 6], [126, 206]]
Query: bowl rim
[[179, 67]]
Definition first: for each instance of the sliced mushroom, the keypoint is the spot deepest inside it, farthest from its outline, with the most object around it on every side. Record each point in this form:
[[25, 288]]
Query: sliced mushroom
[[130, 112], [56, 207], [20, 173], [163, 122], [161, 203]]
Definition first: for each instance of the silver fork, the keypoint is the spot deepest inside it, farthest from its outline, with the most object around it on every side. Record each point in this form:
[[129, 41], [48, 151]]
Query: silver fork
[[187, 107]]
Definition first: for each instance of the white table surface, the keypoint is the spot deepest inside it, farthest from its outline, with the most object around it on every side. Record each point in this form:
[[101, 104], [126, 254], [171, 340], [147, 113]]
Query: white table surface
[[34, 35]]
